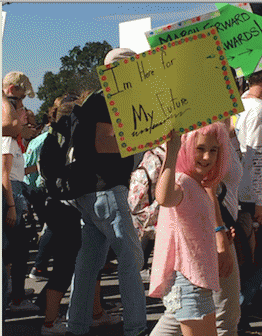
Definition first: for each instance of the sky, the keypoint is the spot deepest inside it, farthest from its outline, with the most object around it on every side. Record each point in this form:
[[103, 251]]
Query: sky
[[37, 35]]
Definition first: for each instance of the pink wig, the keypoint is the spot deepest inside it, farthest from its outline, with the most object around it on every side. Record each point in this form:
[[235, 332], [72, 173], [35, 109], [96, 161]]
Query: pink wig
[[186, 156]]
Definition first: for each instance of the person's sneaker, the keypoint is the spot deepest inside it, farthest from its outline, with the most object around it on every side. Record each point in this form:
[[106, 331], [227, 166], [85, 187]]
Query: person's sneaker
[[145, 275], [58, 328], [106, 319], [109, 268], [111, 307], [25, 305], [38, 274], [29, 291], [62, 318]]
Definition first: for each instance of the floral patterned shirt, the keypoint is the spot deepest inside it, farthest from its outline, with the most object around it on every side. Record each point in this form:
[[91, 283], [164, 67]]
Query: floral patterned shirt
[[141, 198]]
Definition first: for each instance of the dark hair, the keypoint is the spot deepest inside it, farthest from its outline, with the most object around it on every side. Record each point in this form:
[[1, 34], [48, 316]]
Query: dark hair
[[255, 78], [240, 82], [45, 119], [70, 97], [233, 72], [64, 109], [13, 101]]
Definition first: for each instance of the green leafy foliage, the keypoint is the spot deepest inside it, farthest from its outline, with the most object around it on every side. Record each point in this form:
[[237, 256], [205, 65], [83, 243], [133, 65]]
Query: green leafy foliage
[[76, 74]]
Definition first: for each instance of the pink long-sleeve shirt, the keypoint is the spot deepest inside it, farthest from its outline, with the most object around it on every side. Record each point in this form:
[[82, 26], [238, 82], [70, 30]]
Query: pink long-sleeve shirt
[[185, 241]]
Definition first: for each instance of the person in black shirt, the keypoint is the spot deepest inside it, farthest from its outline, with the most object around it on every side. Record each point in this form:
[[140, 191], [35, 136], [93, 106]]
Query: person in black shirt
[[105, 211]]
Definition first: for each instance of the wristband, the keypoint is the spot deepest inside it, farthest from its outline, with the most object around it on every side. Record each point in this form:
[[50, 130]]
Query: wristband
[[10, 206], [220, 228]]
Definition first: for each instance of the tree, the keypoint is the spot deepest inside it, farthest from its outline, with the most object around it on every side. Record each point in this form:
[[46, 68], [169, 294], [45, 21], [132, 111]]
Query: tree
[[51, 88], [92, 55], [76, 74]]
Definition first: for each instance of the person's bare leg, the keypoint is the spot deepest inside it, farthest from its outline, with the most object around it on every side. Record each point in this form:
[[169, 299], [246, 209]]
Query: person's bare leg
[[97, 309], [53, 299], [207, 326]]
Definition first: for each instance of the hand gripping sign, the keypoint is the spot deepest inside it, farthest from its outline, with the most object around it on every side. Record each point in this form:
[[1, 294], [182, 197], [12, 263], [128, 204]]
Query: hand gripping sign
[[183, 84]]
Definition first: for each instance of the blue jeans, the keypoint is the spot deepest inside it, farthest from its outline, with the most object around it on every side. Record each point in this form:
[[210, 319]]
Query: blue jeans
[[45, 249], [107, 223], [227, 308], [188, 301]]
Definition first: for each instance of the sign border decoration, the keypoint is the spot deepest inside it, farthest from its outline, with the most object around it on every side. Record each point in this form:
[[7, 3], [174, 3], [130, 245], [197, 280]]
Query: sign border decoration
[[181, 24], [225, 68], [239, 28]]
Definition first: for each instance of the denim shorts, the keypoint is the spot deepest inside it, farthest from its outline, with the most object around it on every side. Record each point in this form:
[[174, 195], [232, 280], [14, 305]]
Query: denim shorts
[[187, 301]]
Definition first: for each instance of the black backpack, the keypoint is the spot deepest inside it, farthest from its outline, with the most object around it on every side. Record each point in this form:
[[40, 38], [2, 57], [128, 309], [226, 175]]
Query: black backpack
[[58, 167]]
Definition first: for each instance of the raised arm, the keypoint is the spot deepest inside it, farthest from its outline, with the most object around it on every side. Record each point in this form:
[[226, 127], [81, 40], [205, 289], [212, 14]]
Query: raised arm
[[169, 194], [105, 140], [31, 169]]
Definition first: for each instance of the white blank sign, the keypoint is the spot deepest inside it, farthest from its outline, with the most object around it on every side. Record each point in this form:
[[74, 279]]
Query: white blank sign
[[131, 35], [3, 22]]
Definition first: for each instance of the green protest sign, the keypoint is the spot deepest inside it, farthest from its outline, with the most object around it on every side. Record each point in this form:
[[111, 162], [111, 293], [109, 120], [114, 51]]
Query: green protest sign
[[240, 32]]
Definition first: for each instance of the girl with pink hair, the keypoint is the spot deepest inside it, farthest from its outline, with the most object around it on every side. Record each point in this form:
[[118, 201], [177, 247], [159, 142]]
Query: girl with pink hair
[[185, 264]]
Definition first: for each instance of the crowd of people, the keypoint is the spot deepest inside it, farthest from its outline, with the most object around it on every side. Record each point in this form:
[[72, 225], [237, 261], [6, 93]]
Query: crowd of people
[[193, 203]]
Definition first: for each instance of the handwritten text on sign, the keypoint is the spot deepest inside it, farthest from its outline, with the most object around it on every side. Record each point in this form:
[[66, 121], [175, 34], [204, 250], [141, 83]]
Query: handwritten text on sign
[[184, 84]]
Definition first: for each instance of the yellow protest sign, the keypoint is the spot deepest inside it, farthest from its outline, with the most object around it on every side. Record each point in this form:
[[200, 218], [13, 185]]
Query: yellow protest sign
[[183, 84]]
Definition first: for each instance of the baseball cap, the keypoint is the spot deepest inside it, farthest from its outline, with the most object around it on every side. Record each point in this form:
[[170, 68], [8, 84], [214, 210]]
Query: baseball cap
[[19, 79], [118, 54]]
